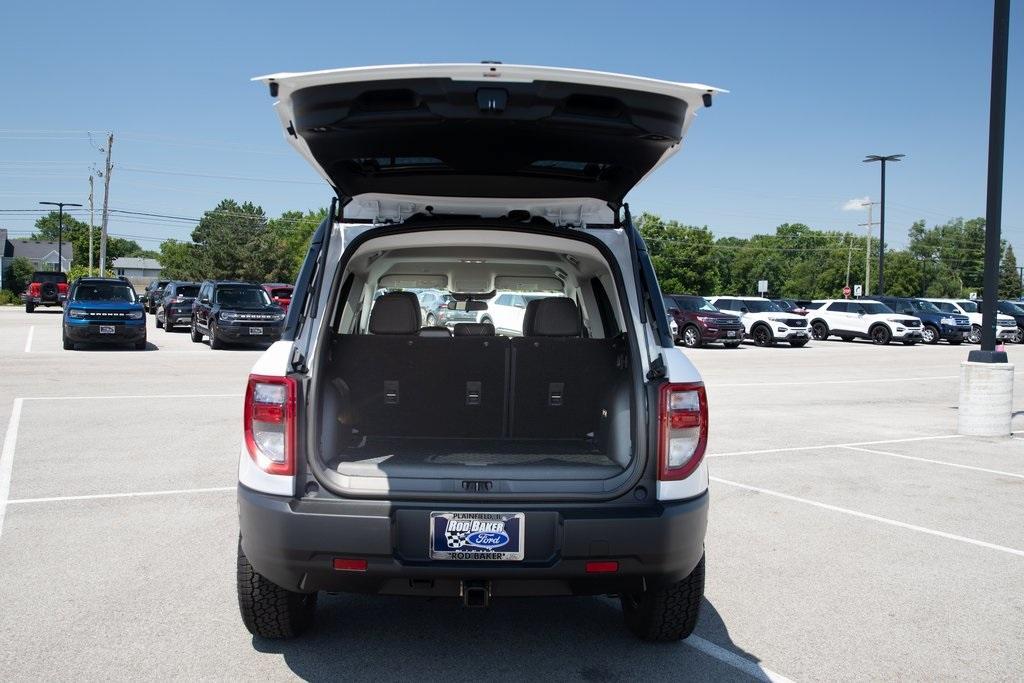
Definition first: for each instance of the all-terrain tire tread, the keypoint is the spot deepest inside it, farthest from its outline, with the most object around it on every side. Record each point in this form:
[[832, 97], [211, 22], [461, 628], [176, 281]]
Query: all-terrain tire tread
[[670, 613], [268, 610]]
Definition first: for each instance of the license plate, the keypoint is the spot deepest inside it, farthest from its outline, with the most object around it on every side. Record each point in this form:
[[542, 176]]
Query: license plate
[[477, 535], [730, 333], [106, 329], [255, 330]]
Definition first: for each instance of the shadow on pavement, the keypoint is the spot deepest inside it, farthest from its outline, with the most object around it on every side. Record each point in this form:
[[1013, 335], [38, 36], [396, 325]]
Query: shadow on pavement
[[387, 638]]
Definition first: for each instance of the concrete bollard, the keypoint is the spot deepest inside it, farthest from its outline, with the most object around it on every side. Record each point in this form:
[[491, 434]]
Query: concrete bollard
[[986, 399]]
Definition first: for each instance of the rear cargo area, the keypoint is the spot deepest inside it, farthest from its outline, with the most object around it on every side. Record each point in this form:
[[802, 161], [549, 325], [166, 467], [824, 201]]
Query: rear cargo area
[[481, 406]]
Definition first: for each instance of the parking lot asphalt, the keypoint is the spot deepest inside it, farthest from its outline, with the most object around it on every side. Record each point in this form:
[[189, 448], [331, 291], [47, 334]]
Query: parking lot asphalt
[[853, 535]]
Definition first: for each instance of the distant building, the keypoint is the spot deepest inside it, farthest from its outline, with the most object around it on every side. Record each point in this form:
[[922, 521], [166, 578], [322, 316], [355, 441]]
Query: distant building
[[42, 254], [139, 270]]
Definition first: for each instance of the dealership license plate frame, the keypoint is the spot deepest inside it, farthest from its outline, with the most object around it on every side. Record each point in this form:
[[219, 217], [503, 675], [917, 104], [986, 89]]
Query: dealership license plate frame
[[108, 329], [255, 331], [472, 553]]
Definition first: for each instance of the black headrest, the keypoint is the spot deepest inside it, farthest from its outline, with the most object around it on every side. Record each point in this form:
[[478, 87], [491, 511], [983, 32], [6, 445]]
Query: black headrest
[[555, 316], [439, 331], [474, 330], [395, 313]]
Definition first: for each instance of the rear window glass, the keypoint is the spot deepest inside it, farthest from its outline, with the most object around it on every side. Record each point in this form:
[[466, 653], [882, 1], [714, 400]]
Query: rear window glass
[[281, 293], [968, 306], [104, 291], [189, 291], [242, 296], [49, 277]]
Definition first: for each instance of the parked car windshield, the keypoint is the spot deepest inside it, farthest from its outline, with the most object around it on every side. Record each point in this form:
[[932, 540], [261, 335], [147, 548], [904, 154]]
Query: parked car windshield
[[759, 306], [968, 306], [872, 308], [693, 304], [104, 291], [242, 296], [926, 306]]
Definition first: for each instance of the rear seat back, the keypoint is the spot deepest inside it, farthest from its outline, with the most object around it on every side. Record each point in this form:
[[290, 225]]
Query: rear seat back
[[561, 380]]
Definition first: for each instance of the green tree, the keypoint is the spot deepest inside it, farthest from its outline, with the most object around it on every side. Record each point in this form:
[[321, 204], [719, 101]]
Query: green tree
[[181, 260], [19, 274], [682, 255], [1009, 276], [295, 229]]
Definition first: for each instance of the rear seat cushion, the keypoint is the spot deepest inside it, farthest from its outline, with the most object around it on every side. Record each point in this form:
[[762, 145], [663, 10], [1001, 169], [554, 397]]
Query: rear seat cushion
[[552, 317], [474, 330], [395, 313]]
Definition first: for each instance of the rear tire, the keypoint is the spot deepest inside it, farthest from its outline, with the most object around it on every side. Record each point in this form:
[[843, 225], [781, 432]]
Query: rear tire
[[269, 611], [158, 323], [930, 334], [196, 335], [691, 337], [29, 307], [431, 320], [669, 613], [975, 336], [167, 327]]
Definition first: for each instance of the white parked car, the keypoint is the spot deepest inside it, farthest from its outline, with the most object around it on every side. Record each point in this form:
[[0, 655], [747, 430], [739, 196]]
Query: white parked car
[[383, 457], [849, 319], [1006, 326], [764, 321], [507, 309]]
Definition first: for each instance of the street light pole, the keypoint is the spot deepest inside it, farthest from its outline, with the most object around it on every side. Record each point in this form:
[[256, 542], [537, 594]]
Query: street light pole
[[60, 230], [881, 221]]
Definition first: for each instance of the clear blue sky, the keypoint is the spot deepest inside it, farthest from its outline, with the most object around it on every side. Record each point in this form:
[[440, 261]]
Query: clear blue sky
[[815, 86]]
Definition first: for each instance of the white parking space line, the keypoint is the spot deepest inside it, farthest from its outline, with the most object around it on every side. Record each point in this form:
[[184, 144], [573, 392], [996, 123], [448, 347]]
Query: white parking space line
[[28, 341], [7, 459], [136, 494], [836, 445], [936, 462], [873, 518], [747, 666], [715, 385], [132, 397]]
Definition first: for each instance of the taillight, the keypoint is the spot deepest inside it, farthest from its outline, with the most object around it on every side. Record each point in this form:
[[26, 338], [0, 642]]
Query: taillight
[[270, 423], [682, 430]]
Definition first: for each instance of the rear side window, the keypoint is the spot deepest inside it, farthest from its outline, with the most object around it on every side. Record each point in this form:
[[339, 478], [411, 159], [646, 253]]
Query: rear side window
[[838, 307]]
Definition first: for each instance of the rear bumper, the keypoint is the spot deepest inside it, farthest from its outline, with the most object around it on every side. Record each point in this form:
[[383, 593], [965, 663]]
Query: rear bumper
[[44, 301], [293, 543]]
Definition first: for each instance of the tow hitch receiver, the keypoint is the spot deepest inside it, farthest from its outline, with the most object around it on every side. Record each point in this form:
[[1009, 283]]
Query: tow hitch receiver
[[476, 593]]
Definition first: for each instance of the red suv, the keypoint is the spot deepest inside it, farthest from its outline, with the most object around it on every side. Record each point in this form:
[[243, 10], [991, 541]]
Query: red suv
[[280, 294], [48, 288], [700, 323]]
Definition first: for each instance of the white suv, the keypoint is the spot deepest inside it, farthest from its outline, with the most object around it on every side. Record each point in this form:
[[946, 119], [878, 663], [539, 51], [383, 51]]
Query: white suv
[[862, 318], [1006, 326], [383, 457], [763, 320]]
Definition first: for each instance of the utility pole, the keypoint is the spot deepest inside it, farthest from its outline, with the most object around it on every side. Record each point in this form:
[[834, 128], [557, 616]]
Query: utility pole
[[867, 252], [92, 227], [106, 211], [849, 259]]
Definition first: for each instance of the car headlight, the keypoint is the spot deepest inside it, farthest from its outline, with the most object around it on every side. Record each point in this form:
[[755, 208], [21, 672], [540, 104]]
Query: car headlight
[[76, 313], [778, 320], [278, 317], [948, 321], [894, 320], [135, 315], [228, 315]]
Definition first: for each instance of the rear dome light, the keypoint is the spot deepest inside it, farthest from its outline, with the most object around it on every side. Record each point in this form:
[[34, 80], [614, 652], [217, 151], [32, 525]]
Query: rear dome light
[[683, 430], [269, 423]]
